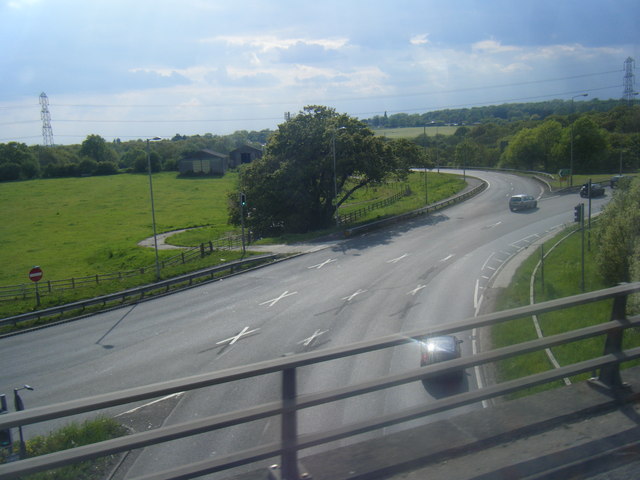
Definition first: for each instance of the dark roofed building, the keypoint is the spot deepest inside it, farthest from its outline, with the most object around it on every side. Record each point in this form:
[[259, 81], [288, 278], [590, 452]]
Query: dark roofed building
[[204, 162], [244, 154]]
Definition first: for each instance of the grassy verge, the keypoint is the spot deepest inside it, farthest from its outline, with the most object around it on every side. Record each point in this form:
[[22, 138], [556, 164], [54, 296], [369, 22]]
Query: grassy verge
[[562, 278], [71, 436]]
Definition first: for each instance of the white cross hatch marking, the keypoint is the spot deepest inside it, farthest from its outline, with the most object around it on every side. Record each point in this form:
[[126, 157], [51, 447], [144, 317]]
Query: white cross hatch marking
[[245, 331], [416, 290], [273, 301], [353, 295], [310, 339], [320, 265]]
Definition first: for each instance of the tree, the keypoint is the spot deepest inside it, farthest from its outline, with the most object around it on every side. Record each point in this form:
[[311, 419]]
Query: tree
[[96, 148], [293, 187], [18, 162], [617, 235]]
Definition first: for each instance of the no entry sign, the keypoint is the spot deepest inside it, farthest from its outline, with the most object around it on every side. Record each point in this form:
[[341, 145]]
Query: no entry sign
[[35, 274]]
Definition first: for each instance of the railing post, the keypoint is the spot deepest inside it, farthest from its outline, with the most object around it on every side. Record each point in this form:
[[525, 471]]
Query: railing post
[[289, 426], [610, 374]]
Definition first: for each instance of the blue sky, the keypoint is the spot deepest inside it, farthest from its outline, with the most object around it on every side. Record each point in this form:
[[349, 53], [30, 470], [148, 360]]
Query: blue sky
[[146, 68]]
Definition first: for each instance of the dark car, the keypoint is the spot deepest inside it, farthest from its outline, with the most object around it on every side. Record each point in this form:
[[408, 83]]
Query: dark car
[[522, 202], [440, 349], [597, 190], [615, 180]]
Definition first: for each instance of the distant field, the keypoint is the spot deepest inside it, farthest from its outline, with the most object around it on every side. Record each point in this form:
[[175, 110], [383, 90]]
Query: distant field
[[412, 132], [80, 226]]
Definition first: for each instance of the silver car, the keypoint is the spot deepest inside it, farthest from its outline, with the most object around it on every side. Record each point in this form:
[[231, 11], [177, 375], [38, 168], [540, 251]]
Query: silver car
[[522, 202]]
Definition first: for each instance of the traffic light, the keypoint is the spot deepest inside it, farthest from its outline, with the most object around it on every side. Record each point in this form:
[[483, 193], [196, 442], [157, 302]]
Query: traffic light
[[577, 213], [243, 200], [5, 435]]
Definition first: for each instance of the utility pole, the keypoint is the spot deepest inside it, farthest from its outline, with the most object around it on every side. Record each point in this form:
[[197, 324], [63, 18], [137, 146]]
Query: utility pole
[[47, 132]]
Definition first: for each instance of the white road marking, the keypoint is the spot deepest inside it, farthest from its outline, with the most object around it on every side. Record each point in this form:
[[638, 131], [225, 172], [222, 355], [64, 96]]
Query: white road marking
[[398, 259], [493, 225], [273, 301], [320, 265], [447, 258], [179, 394], [310, 339], [487, 260], [416, 290], [353, 295], [231, 340]]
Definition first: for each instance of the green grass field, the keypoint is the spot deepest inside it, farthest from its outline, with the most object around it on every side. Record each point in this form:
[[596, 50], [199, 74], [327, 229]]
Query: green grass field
[[562, 278], [412, 132], [82, 226]]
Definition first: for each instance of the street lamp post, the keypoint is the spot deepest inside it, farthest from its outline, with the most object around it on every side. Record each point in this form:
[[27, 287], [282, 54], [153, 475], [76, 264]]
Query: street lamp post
[[571, 159], [19, 406], [153, 210]]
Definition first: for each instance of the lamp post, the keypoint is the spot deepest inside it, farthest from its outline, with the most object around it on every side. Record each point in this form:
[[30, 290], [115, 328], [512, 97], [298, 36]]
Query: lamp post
[[153, 210], [571, 159], [19, 406], [335, 179]]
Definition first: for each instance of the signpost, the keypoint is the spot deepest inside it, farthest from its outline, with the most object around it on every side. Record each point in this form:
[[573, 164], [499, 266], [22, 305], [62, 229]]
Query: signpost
[[35, 275]]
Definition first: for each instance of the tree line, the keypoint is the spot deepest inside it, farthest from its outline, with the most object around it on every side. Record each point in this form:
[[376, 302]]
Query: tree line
[[591, 142], [96, 156]]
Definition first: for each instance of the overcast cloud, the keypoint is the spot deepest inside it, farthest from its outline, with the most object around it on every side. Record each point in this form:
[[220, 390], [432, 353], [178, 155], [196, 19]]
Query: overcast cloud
[[150, 68]]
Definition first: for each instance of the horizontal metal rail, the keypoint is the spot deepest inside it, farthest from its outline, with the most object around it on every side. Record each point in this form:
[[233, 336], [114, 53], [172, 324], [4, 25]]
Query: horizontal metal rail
[[288, 447], [138, 292]]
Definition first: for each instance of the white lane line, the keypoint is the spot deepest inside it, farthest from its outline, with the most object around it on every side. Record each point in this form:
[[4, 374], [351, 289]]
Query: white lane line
[[475, 295], [493, 225], [353, 295], [179, 394], [487, 261], [310, 339], [398, 259], [447, 258], [416, 290], [231, 340], [320, 265], [273, 301]]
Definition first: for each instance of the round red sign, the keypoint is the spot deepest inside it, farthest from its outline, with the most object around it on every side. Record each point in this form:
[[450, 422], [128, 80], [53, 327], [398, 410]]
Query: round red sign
[[35, 274]]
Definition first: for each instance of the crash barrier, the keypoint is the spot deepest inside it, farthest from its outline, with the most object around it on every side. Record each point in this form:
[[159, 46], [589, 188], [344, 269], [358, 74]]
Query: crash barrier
[[291, 401], [420, 211], [352, 217], [138, 293], [31, 290]]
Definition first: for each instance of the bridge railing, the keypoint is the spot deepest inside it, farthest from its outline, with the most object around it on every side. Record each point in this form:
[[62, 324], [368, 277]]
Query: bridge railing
[[291, 402]]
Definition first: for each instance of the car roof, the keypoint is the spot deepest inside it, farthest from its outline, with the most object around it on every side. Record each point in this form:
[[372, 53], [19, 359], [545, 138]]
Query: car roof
[[444, 343]]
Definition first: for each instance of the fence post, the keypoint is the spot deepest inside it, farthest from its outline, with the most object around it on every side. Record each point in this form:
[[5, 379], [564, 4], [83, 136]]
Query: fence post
[[289, 426], [202, 249], [610, 374]]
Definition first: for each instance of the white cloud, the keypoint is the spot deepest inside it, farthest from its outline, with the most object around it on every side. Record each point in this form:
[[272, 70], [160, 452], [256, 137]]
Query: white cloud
[[265, 43], [492, 46], [18, 4], [420, 39]]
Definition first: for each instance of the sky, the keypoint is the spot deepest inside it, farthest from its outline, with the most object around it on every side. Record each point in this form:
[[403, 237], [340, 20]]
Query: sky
[[156, 68]]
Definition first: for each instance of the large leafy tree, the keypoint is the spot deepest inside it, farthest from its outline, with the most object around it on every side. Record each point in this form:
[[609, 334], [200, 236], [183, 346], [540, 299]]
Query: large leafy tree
[[294, 187], [618, 235], [96, 148]]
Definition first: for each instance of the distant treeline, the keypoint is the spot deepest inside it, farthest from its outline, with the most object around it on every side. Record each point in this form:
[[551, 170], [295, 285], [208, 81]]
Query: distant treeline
[[604, 136]]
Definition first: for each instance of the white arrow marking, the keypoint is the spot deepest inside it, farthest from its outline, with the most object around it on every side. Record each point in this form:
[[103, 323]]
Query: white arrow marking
[[245, 331], [273, 301], [398, 259], [320, 265], [310, 339], [353, 295], [416, 290]]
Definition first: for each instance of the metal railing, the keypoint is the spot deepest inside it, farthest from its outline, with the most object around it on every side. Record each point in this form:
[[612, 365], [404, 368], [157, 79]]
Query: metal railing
[[290, 403], [352, 217], [31, 290], [138, 293]]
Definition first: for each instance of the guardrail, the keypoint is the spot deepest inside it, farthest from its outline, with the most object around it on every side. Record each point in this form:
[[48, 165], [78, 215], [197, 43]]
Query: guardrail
[[24, 291], [420, 211], [353, 216], [291, 402], [137, 293]]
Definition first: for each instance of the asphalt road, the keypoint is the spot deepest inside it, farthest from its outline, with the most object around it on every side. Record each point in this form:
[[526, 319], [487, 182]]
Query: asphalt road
[[428, 271]]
